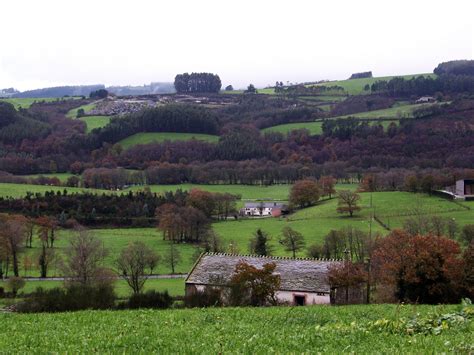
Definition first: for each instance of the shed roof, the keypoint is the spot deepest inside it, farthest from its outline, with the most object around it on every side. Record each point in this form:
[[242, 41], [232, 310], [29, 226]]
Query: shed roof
[[305, 275], [264, 205]]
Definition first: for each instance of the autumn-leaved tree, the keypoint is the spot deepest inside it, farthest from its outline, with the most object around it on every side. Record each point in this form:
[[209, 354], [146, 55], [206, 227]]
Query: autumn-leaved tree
[[327, 184], [346, 275], [348, 202], [304, 193], [292, 240], [422, 268], [250, 286], [135, 263]]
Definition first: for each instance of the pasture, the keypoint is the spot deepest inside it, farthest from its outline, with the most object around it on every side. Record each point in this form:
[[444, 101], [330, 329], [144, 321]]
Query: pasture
[[20, 190], [73, 113], [356, 86], [61, 176], [27, 102], [175, 287], [352, 329], [314, 223], [316, 128], [158, 137], [397, 111], [93, 122]]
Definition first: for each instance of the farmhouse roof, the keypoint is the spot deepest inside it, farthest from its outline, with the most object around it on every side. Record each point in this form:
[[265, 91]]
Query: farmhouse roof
[[264, 204], [304, 275]]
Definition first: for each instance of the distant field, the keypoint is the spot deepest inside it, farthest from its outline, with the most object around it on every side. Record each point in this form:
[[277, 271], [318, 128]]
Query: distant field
[[362, 329], [175, 287], [27, 102], [73, 113], [317, 127], [356, 86], [20, 190], [247, 192], [393, 112], [314, 223], [313, 127], [152, 137], [61, 176], [93, 122]]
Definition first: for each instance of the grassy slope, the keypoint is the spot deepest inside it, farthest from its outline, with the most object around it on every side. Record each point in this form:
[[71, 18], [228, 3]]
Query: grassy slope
[[323, 329], [20, 190], [356, 86], [313, 127], [95, 121], [27, 102], [316, 127], [61, 176], [314, 223], [175, 287], [73, 113], [393, 112], [150, 137]]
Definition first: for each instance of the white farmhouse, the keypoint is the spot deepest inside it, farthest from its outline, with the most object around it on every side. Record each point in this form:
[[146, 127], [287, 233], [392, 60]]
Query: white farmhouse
[[302, 281], [262, 209]]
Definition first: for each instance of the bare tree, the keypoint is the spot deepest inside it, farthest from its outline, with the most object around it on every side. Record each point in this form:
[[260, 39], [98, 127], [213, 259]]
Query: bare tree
[[12, 236], [172, 257], [84, 258], [134, 262], [292, 240]]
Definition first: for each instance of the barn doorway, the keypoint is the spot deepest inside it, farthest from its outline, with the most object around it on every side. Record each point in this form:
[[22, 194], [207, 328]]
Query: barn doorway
[[300, 300]]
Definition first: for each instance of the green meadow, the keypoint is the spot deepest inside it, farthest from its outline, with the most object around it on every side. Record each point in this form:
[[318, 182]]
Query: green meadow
[[175, 286], [27, 102], [20, 190], [314, 128], [93, 122], [361, 329], [73, 113], [356, 86], [61, 176], [314, 223], [402, 111], [158, 137]]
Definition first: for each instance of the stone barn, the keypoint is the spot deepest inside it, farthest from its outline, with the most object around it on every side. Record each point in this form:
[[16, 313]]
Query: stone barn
[[303, 281], [463, 189]]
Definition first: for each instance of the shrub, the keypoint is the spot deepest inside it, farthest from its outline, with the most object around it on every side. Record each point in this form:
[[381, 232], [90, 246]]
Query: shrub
[[209, 297], [150, 299], [14, 284], [72, 298]]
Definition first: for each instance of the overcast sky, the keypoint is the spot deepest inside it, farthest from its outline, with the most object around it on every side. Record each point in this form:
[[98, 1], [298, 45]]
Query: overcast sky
[[48, 43]]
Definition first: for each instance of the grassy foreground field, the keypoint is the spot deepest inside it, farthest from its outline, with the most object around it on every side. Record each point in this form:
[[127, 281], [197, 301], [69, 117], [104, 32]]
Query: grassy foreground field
[[313, 329], [157, 137]]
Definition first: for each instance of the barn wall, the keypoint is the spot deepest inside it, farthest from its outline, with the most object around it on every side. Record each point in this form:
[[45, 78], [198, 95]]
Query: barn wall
[[311, 297]]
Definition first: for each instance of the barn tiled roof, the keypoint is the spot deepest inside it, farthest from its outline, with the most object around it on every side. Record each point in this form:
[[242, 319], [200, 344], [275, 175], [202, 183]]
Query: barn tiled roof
[[308, 275]]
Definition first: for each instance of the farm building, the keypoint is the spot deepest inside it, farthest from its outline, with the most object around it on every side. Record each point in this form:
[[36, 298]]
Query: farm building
[[302, 281], [263, 209], [425, 99], [463, 189]]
